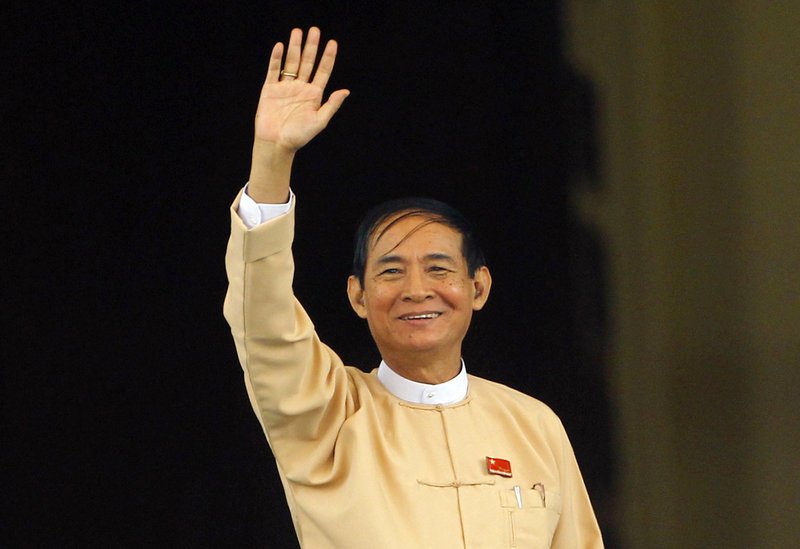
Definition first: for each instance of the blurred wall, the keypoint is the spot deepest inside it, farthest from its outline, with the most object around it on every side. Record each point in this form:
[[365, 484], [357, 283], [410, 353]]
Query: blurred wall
[[699, 208]]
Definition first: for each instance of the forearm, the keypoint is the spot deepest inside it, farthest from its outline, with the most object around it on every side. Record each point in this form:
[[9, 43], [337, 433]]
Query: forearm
[[297, 386], [270, 172], [274, 339], [290, 112]]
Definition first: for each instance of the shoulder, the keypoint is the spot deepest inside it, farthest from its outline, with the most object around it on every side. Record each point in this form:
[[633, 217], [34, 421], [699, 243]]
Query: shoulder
[[497, 395], [365, 385], [359, 377], [531, 418]]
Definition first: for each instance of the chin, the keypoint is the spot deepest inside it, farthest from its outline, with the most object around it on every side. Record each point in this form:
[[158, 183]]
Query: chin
[[421, 346]]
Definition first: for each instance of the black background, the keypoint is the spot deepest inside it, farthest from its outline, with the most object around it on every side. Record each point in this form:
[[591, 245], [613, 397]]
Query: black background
[[126, 419]]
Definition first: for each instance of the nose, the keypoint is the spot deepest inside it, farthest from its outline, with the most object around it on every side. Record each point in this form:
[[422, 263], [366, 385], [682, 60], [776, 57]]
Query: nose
[[416, 288]]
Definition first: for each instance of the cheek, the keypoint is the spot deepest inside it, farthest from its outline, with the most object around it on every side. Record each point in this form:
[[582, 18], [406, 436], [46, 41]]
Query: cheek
[[457, 290], [379, 299]]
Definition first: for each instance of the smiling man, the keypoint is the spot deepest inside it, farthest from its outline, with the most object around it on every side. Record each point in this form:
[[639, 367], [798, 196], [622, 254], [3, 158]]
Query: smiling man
[[417, 453], [416, 288]]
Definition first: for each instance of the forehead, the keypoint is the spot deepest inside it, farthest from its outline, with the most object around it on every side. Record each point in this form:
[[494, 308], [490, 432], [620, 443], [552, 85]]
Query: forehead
[[418, 229]]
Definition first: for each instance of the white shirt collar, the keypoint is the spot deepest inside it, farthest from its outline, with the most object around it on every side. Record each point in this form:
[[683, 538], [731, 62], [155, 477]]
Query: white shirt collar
[[449, 392]]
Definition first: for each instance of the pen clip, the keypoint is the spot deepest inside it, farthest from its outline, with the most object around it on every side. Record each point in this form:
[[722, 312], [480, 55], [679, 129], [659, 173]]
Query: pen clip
[[518, 495], [539, 487]]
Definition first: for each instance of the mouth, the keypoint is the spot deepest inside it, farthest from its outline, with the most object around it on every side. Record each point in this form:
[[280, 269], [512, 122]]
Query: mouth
[[420, 316]]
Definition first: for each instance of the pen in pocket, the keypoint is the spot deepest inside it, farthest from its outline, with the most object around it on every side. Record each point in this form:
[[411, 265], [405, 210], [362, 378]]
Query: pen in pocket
[[539, 487], [518, 495]]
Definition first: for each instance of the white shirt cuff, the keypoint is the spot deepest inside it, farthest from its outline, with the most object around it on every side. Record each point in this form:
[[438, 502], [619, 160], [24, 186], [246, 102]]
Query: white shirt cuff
[[253, 213]]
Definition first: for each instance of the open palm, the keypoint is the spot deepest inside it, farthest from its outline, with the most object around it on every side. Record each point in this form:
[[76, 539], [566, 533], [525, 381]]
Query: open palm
[[290, 110]]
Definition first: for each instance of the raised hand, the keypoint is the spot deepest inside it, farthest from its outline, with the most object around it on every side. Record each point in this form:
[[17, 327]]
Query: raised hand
[[290, 111]]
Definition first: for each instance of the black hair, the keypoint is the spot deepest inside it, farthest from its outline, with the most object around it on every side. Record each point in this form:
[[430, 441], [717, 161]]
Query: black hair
[[433, 211]]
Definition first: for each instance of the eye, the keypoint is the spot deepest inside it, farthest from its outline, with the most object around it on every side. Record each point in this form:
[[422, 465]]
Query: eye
[[390, 271], [438, 269]]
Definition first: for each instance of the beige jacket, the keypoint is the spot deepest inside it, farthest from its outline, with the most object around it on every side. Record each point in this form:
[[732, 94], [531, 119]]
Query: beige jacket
[[363, 469]]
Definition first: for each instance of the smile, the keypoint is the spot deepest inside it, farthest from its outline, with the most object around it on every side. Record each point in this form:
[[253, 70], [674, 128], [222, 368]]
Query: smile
[[423, 316]]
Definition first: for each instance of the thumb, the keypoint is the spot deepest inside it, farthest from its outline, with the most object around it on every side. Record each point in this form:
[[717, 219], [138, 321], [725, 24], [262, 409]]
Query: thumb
[[332, 105]]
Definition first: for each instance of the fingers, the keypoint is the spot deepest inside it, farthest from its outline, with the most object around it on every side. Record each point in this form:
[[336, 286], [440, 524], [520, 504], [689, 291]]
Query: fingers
[[274, 69], [301, 58], [292, 64], [309, 55], [325, 65]]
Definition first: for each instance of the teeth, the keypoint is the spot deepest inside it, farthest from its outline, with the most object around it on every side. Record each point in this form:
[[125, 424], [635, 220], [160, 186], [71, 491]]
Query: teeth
[[421, 317]]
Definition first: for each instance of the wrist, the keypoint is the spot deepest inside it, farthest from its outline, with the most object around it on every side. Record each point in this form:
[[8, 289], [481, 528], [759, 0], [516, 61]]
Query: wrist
[[270, 172], [271, 153]]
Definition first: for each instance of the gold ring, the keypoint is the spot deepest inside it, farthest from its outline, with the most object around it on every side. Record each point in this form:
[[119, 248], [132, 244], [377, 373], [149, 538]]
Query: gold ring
[[287, 73]]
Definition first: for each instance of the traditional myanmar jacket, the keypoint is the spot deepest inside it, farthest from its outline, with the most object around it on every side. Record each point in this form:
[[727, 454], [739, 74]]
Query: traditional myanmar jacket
[[364, 469]]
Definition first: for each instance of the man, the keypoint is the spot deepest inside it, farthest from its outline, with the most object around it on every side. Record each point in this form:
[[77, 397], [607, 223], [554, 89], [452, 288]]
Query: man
[[417, 453]]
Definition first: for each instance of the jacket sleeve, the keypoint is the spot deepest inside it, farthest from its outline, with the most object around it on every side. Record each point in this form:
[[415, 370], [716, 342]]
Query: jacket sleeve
[[298, 387], [577, 527]]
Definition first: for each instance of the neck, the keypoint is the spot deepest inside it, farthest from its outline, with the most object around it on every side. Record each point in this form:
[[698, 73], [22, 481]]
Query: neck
[[425, 369]]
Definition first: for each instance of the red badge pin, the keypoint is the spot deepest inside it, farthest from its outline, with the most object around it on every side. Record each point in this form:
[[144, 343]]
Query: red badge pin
[[498, 466]]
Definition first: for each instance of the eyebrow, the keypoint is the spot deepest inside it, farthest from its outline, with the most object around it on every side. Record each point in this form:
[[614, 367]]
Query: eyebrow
[[393, 258]]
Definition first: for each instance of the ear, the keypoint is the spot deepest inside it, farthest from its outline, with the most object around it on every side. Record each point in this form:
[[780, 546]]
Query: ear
[[482, 283], [356, 296]]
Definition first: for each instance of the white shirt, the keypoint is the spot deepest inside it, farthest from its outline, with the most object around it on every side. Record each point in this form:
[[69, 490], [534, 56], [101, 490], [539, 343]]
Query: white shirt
[[449, 392]]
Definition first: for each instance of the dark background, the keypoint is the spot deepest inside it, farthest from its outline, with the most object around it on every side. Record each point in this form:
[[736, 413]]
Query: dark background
[[125, 414]]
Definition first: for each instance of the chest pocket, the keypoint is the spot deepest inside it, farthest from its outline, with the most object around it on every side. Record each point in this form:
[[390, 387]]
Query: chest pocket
[[533, 525]]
